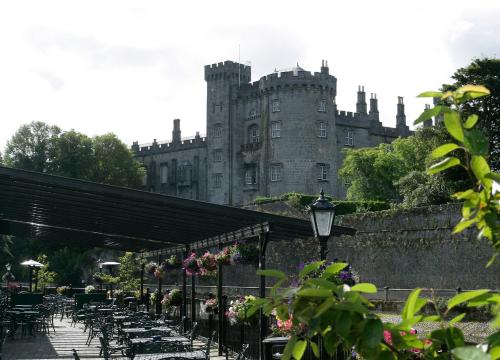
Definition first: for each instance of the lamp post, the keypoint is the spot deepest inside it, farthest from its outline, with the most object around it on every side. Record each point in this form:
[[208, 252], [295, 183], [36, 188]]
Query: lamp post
[[322, 215]]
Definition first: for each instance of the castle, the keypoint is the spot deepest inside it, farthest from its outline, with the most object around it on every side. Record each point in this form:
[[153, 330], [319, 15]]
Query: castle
[[280, 134]]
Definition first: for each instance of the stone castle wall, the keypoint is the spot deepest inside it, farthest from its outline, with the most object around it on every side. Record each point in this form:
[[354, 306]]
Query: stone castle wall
[[402, 249]]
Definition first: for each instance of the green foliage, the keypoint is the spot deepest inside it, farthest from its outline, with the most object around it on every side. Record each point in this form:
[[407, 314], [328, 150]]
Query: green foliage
[[395, 172], [45, 275], [128, 272], [30, 147], [483, 71], [342, 316], [43, 148], [115, 164], [342, 207]]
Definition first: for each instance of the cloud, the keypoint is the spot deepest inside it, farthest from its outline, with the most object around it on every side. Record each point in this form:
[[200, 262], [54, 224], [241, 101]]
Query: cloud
[[475, 35], [95, 52], [54, 81]]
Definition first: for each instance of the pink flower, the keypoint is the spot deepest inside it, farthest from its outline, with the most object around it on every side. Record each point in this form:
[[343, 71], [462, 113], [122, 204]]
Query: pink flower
[[388, 337]]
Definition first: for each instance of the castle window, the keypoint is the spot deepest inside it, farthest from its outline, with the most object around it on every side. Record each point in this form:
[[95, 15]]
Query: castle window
[[252, 114], [163, 174], [217, 131], [276, 106], [144, 180], [253, 134], [251, 176], [323, 172], [322, 130], [349, 138], [217, 155], [322, 106], [276, 172], [275, 130], [217, 180]]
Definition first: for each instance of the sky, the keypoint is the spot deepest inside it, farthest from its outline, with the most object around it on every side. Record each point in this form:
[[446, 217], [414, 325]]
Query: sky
[[131, 67]]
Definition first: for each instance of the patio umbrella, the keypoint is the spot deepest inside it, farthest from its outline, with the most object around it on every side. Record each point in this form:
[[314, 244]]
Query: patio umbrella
[[32, 264]]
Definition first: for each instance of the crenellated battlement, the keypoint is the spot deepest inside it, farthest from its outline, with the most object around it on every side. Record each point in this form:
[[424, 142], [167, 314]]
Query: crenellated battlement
[[299, 80], [168, 145], [228, 70]]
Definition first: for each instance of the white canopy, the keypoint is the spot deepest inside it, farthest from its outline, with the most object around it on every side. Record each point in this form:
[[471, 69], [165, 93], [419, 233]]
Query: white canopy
[[32, 263]]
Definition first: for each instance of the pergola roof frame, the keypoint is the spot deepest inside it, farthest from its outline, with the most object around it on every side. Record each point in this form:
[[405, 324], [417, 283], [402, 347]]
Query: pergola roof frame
[[64, 209]]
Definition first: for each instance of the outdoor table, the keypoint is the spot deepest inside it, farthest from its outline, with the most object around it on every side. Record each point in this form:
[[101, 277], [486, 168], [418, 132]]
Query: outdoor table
[[274, 346], [138, 344], [136, 332]]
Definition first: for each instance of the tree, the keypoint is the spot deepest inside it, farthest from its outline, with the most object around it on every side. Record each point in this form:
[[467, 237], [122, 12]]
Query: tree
[[483, 71], [383, 172], [72, 155], [30, 146], [127, 272], [114, 162], [45, 276]]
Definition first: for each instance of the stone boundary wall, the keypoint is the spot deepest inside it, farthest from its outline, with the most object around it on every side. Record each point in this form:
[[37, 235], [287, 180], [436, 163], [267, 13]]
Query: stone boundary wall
[[402, 249]]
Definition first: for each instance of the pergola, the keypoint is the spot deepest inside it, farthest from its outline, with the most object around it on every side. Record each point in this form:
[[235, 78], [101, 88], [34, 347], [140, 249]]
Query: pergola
[[64, 210]]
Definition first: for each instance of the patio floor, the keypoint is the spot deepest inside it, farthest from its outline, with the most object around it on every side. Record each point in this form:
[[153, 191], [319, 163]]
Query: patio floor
[[58, 345]]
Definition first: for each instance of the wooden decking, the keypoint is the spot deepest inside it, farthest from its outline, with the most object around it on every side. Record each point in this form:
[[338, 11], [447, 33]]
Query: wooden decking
[[58, 345]]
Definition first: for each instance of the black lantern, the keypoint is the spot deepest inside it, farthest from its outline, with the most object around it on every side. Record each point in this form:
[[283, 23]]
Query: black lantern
[[322, 213]]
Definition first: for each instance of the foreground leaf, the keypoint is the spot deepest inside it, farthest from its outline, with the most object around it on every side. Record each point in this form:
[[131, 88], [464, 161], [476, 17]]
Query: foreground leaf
[[443, 165], [454, 125], [465, 296], [272, 273], [365, 288], [443, 150], [470, 353]]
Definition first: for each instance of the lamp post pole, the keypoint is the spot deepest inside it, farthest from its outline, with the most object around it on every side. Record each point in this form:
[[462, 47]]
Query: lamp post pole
[[322, 215]]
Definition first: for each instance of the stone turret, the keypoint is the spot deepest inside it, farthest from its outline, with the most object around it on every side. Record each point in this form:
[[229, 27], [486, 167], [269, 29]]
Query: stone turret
[[401, 126], [176, 133], [324, 67], [361, 103], [374, 115]]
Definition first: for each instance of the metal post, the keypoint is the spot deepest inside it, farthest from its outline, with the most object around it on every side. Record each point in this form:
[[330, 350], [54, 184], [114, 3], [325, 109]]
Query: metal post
[[386, 290], [142, 284], [263, 238], [193, 300], [184, 288], [36, 280], [158, 299], [220, 315], [31, 279], [323, 247]]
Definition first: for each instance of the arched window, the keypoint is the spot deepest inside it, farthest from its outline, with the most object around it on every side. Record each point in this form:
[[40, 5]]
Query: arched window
[[253, 134]]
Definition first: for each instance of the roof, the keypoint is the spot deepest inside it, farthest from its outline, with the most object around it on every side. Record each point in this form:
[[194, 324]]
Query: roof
[[54, 208], [294, 69]]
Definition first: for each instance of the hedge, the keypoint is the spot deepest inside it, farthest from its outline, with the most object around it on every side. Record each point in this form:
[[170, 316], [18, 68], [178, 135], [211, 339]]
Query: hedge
[[342, 207]]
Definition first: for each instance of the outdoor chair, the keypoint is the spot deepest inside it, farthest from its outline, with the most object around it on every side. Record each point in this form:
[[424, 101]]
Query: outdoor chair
[[107, 350], [203, 354], [243, 354]]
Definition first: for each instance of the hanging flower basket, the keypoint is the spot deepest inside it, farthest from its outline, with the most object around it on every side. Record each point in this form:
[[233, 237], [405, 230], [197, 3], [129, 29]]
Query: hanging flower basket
[[173, 298], [207, 264], [210, 306], [173, 262], [237, 312], [150, 267], [159, 273], [246, 253], [223, 257], [190, 264]]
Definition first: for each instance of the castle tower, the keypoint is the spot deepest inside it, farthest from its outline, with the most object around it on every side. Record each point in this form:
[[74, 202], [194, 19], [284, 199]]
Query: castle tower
[[374, 115], [361, 103], [223, 83], [176, 133]]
